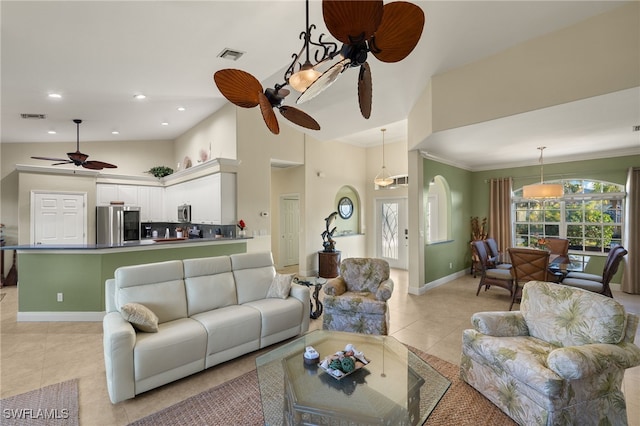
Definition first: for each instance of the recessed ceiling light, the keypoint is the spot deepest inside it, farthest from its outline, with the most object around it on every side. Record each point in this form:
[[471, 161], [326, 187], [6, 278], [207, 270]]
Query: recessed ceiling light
[[115, 132], [139, 96], [165, 123], [52, 132], [55, 95], [181, 108]]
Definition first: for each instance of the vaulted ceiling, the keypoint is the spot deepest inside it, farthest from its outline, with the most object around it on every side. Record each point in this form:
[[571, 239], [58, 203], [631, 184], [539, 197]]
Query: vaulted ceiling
[[98, 55]]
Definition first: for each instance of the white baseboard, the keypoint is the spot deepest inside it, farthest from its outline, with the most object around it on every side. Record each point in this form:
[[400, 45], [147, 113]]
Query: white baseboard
[[60, 316], [440, 281]]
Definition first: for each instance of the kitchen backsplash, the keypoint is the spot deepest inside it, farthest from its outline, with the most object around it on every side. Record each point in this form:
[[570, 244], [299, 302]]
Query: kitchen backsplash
[[158, 230]]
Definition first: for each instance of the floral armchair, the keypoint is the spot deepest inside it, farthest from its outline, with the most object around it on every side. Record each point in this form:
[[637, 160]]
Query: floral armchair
[[356, 301], [560, 360]]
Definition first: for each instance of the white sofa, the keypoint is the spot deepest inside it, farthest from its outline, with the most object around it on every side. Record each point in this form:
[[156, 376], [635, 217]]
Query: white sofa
[[209, 310]]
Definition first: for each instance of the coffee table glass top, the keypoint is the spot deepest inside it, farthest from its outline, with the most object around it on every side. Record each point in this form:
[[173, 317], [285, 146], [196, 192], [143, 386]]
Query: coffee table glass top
[[397, 387]]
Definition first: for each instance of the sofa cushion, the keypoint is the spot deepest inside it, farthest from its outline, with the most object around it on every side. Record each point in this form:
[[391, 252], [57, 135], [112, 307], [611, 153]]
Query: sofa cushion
[[158, 286], [524, 358], [253, 274], [229, 327], [364, 274], [278, 314], [567, 316], [176, 343], [356, 301], [280, 286], [141, 317], [209, 284]]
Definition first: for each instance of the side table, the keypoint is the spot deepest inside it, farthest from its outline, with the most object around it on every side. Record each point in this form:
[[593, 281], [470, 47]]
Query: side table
[[328, 264], [317, 283]]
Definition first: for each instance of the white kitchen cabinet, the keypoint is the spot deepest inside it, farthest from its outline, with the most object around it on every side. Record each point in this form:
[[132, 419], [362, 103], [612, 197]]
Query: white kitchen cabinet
[[106, 193], [151, 202], [212, 198]]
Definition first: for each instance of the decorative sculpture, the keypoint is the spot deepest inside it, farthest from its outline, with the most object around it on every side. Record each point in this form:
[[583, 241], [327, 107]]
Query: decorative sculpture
[[327, 241]]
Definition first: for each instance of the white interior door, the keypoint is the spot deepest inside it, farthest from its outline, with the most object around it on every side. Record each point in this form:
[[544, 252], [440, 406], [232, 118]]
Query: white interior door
[[58, 218], [289, 230], [392, 234]]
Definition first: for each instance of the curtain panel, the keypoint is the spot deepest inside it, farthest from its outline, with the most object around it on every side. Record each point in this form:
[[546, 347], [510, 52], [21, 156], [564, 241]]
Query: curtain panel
[[500, 223], [631, 275]]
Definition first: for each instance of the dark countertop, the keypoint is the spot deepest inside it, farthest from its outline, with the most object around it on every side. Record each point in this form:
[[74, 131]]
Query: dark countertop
[[144, 243]]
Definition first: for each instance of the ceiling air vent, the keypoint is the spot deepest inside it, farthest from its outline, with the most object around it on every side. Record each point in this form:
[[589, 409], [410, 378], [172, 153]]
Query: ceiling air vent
[[231, 54], [33, 116], [636, 128]]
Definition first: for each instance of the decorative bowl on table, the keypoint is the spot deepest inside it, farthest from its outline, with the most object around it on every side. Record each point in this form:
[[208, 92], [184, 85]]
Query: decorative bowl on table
[[343, 363]]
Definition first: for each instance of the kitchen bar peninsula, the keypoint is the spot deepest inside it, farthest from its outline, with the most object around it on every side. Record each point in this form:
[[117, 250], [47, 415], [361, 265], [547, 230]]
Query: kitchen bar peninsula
[[66, 283]]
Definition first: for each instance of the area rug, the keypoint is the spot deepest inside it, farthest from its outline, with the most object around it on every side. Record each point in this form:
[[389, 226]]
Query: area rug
[[51, 405], [238, 402]]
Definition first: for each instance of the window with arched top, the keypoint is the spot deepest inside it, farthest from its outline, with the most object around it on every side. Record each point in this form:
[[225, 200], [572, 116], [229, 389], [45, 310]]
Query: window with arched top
[[438, 211], [590, 215]]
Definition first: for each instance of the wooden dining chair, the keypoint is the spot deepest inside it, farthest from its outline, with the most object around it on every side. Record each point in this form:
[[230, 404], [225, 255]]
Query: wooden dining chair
[[490, 276], [527, 265], [558, 250]]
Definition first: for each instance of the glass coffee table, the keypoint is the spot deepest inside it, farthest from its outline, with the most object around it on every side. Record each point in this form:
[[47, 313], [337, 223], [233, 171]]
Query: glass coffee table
[[396, 388]]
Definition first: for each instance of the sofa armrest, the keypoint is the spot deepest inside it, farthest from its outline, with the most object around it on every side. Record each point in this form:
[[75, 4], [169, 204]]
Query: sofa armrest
[[385, 290], [576, 362], [119, 340], [335, 286], [303, 294], [500, 323], [110, 295]]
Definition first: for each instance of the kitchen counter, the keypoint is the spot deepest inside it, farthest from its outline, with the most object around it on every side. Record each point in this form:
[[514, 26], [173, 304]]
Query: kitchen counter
[[66, 282], [144, 243]]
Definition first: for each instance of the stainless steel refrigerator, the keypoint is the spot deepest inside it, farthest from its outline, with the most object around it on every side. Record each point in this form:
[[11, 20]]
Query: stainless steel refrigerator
[[117, 225]]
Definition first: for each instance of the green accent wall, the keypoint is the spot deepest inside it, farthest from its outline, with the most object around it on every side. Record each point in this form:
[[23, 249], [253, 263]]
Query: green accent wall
[[456, 251], [473, 187], [81, 276]]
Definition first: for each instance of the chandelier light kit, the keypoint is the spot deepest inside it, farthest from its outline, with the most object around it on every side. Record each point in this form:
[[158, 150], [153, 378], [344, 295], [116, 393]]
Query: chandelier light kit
[[390, 32], [384, 177], [542, 190]]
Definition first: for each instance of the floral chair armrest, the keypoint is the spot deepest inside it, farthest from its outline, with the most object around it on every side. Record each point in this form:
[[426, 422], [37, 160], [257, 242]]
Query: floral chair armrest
[[385, 290], [576, 362], [335, 287], [500, 323]]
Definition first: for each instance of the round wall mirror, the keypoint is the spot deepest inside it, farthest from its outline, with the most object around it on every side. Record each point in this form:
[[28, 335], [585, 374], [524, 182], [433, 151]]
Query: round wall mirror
[[345, 207]]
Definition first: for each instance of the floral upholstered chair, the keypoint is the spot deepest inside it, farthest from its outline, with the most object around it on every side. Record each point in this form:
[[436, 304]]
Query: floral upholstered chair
[[560, 360], [356, 301]]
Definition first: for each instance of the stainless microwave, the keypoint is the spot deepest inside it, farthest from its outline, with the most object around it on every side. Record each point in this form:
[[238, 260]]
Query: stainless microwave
[[184, 213]]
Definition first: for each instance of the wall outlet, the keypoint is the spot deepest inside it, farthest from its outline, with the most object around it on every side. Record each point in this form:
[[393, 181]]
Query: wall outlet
[[60, 297], [450, 265]]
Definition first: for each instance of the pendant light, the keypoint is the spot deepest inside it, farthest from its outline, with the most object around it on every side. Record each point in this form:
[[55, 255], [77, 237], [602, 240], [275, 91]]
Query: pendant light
[[383, 178], [542, 190]]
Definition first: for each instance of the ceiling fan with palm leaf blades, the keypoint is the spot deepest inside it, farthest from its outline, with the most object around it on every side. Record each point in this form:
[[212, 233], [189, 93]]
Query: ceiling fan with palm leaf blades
[[390, 32], [78, 158]]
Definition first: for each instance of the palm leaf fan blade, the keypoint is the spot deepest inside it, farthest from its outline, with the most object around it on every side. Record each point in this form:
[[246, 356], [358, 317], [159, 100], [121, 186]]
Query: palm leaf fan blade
[[299, 117], [268, 115], [399, 32], [365, 90], [349, 21], [239, 87]]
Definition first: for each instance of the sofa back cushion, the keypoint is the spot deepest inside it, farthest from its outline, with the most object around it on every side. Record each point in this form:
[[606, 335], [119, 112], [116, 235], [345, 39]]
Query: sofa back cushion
[[253, 273], [364, 274], [209, 284], [569, 316], [158, 286]]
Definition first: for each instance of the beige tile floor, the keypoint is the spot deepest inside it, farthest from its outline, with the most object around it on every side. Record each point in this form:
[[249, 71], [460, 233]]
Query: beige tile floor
[[38, 354]]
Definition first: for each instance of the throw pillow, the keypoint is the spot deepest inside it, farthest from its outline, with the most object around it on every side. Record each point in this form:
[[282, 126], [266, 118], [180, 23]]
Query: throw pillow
[[141, 317], [280, 286]]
